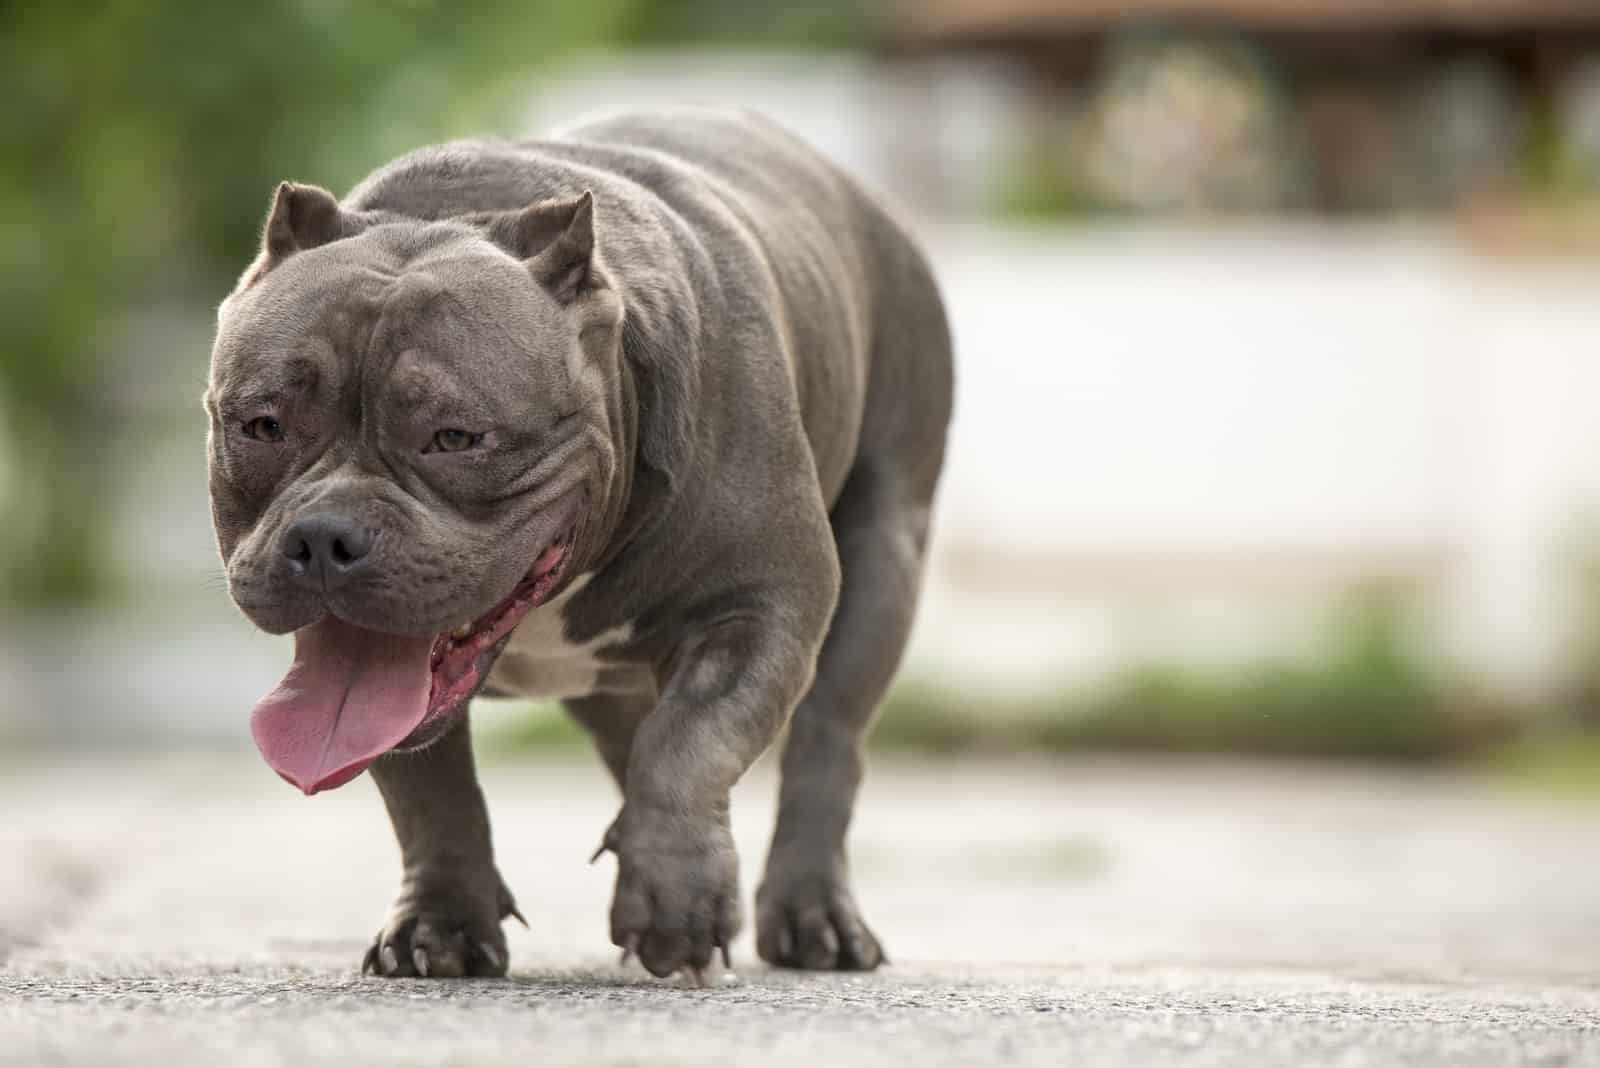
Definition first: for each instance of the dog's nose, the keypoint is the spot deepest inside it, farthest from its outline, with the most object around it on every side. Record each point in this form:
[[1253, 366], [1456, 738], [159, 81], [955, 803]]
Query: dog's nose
[[327, 549]]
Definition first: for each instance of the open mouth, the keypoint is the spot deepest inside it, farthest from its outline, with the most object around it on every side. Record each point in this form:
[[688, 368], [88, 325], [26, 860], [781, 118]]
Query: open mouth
[[354, 694], [457, 660]]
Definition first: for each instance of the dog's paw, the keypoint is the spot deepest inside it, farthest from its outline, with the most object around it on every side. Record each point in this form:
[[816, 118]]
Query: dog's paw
[[677, 896], [812, 922], [440, 937]]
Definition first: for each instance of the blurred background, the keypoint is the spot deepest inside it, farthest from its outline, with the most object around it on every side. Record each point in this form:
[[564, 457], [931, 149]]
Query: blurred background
[[1278, 342]]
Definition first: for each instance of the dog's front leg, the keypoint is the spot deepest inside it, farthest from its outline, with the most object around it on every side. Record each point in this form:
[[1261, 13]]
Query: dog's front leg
[[446, 920], [727, 696]]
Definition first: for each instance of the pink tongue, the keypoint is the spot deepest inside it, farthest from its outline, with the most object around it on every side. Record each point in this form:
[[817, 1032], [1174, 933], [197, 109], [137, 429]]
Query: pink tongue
[[350, 696]]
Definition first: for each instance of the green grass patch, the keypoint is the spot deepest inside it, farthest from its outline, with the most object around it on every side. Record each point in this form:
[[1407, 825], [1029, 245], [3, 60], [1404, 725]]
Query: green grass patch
[[1366, 695], [1268, 710], [1558, 763], [507, 728]]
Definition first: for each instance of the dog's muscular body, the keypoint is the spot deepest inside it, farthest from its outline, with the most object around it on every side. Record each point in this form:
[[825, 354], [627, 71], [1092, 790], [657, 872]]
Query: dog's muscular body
[[648, 418]]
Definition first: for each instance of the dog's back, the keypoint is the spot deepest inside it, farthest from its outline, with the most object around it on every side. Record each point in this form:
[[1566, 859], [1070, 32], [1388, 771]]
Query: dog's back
[[867, 336], [722, 216]]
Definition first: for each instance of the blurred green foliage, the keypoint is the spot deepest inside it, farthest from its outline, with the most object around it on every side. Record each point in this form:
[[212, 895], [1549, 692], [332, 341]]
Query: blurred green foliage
[[141, 145]]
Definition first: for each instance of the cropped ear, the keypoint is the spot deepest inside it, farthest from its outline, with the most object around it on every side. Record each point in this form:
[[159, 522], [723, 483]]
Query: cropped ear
[[303, 217], [555, 238]]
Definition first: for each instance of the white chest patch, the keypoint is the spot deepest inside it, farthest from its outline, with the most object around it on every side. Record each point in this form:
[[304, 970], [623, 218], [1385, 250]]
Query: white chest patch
[[540, 662]]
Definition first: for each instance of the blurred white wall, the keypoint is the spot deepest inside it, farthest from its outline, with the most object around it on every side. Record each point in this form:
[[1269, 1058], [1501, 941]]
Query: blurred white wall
[[1187, 441]]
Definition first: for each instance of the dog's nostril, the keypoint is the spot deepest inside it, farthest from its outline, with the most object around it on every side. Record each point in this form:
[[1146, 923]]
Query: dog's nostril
[[324, 545]]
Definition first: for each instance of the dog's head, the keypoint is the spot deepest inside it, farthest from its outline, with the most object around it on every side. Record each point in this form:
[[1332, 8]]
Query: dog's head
[[409, 440]]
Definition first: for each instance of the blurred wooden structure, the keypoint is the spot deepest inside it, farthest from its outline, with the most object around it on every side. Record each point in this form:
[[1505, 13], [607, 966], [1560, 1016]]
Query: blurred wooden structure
[[1340, 65], [1344, 25]]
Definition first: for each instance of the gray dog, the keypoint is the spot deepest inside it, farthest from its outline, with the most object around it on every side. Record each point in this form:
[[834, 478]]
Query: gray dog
[[647, 418]]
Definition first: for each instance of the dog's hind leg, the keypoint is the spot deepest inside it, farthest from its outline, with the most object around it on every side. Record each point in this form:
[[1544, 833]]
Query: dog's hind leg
[[806, 913]]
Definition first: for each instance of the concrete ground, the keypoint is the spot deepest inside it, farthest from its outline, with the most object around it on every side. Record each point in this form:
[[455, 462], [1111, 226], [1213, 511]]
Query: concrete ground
[[197, 911]]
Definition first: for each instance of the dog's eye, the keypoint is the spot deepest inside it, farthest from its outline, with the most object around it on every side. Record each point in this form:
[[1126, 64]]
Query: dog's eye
[[455, 440], [264, 428]]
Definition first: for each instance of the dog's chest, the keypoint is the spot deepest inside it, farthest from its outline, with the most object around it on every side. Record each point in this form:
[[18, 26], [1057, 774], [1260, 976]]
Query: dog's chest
[[540, 661]]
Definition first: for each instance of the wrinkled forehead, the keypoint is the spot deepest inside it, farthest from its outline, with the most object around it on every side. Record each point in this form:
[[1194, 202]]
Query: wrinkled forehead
[[468, 304], [312, 307], [448, 301], [470, 335]]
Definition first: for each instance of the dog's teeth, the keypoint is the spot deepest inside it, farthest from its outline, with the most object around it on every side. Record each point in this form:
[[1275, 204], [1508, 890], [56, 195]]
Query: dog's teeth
[[462, 632]]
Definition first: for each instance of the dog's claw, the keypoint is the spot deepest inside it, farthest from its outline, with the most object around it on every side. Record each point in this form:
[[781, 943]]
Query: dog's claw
[[489, 954], [391, 962], [516, 915], [419, 960], [727, 957], [369, 963], [630, 946], [697, 976], [608, 843]]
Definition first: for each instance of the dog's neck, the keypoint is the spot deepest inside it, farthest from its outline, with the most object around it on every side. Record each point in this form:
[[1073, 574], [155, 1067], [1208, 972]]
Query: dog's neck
[[617, 519]]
